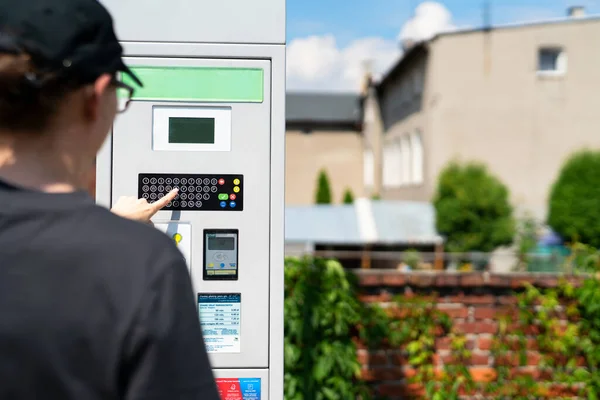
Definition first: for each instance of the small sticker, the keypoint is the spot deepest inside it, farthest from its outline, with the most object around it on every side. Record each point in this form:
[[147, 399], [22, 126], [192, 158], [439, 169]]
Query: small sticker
[[181, 234], [220, 319], [239, 388]]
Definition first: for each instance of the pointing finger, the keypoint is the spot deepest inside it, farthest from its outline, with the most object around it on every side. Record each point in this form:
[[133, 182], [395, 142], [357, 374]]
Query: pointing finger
[[163, 201]]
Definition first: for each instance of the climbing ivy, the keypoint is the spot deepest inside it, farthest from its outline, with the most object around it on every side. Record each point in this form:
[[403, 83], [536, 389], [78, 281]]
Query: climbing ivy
[[547, 345]]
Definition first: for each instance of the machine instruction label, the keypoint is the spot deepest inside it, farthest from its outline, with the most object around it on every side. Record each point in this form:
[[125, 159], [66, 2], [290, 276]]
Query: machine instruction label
[[239, 388], [220, 319]]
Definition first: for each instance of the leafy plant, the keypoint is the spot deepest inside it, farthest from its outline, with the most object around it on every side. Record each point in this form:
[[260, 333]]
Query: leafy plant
[[418, 323], [323, 194], [348, 197], [472, 209], [321, 315], [573, 210], [526, 240], [412, 258]]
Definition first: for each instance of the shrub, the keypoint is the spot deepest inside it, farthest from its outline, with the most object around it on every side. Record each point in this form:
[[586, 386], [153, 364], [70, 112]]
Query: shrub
[[348, 197], [321, 314], [323, 195], [412, 258], [472, 209], [573, 210]]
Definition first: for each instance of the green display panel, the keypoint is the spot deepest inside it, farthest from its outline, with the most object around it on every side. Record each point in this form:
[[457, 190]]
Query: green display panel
[[191, 130], [209, 84]]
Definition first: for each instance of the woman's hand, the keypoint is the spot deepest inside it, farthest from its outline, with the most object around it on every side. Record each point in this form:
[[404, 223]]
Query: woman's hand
[[139, 209]]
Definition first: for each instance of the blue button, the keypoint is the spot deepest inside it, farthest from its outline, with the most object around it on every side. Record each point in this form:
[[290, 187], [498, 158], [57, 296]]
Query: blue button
[[222, 265], [223, 204], [232, 204]]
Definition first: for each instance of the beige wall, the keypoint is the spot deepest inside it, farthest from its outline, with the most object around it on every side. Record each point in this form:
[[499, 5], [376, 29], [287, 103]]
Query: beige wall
[[339, 152], [484, 100]]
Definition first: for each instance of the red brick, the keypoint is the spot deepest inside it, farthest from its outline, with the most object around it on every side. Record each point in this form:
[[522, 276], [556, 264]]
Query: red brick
[[480, 359], [378, 358], [382, 374], [468, 300], [443, 343], [454, 312], [443, 280], [472, 280], [409, 372], [508, 300], [399, 359], [375, 298], [519, 282], [421, 280], [369, 279], [485, 313], [477, 327], [362, 356], [520, 372], [484, 343], [514, 359], [499, 281], [393, 279], [482, 374]]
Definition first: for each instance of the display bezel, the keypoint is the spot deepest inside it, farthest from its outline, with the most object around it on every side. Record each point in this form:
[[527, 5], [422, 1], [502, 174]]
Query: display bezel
[[231, 277]]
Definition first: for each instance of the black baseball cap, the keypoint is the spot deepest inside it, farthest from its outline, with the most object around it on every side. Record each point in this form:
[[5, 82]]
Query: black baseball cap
[[74, 39]]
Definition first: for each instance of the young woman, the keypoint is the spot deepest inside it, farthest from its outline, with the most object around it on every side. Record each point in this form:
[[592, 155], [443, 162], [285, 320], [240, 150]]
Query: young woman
[[92, 305]]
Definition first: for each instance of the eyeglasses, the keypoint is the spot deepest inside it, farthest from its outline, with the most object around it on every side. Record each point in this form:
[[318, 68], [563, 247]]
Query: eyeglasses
[[124, 94]]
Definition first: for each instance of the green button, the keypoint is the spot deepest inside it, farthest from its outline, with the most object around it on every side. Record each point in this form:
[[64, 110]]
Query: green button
[[223, 196]]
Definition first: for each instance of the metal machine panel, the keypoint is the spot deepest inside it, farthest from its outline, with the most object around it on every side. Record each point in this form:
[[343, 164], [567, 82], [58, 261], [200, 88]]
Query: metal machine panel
[[249, 81], [213, 185], [257, 21]]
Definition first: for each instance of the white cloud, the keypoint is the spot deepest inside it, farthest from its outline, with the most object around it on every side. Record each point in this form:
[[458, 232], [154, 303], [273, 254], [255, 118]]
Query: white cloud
[[430, 19], [318, 63]]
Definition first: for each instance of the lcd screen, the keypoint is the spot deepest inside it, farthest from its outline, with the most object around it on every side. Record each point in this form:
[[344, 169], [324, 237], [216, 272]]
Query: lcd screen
[[221, 243], [189, 130]]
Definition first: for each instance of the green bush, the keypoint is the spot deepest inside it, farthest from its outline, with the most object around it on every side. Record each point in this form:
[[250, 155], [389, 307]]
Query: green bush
[[321, 315], [573, 210], [412, 258], [348, 197], [472, 209], [323, 194]]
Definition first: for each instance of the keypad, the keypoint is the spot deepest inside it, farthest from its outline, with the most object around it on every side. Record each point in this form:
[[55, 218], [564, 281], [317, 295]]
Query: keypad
[[196, 192]]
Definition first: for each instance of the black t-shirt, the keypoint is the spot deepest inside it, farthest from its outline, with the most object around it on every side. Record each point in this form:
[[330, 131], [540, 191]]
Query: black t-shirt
[[93, 306]]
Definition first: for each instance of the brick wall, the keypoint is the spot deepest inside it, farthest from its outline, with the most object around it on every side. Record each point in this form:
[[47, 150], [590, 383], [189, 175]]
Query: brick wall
[[473, 301]]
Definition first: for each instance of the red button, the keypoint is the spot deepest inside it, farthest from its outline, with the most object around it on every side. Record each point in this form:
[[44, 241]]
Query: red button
[[221, 181], [232, 196]]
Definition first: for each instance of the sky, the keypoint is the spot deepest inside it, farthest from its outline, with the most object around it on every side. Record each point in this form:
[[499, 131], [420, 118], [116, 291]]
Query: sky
[[329, 42]]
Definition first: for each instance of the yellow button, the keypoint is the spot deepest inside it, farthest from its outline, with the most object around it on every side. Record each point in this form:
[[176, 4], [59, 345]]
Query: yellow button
[[236, 189], [177, 237], [236, 181], [211, 265]]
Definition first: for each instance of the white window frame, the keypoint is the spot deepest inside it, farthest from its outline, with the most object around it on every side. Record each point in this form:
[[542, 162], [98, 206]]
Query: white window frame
[[418, 157], [405, 160], [392, 175], [560, 67]]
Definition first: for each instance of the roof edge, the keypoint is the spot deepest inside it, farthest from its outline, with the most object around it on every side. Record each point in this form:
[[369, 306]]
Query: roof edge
[[424, 44]]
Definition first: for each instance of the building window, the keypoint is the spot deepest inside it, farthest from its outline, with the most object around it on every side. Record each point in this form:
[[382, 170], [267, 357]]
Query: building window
[[416, 142], [368, 168], [392, 165], [552, 60], [405, 160]]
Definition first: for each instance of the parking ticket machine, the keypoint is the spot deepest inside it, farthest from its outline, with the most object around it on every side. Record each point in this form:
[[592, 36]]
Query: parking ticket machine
[[210, 120]]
